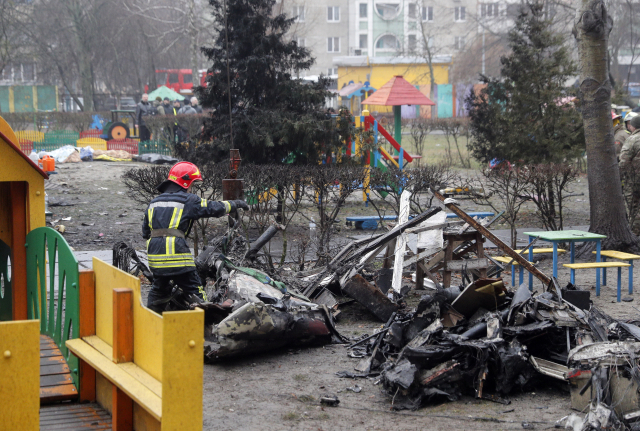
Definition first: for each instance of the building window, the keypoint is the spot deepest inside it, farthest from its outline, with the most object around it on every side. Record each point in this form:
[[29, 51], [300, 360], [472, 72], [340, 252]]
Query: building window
[[363, 10], [363, 41], [427, 13], [333, 14], [332, 71], [513, 10], [388, 41], [301, 41], [333, 44], [7, 72], [459, 43], [460, 13], [388, 11], [413, 10], [489, 10], [298, 13], [412, 43]]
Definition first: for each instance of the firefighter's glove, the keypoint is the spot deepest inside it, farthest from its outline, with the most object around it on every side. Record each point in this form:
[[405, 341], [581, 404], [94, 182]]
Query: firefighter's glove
[[239, 204]]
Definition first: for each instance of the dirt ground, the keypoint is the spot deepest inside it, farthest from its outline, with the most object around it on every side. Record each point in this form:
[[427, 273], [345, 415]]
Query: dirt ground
[[281, 390]]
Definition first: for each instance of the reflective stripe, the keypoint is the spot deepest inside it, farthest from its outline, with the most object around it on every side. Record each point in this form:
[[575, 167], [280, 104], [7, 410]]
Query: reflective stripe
[[173, 245], [177, 222], [171, 265], [203, 202], [173, 217], [167, 245], [227, 206], [150, 218], [203, 293], [166, 205], [162, 257]]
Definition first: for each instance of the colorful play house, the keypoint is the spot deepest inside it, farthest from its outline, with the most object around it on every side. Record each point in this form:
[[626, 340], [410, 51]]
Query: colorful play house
[[78, 350]]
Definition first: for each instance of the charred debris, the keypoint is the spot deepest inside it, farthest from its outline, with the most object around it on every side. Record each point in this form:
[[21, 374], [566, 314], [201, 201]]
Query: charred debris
[[480, 339]]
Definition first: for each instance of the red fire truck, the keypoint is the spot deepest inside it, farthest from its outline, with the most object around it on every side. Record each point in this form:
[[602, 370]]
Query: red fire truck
[[179, 80]]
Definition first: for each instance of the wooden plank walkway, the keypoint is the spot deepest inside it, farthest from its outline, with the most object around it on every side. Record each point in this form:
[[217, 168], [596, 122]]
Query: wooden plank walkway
[[55, 378], [74, 417]]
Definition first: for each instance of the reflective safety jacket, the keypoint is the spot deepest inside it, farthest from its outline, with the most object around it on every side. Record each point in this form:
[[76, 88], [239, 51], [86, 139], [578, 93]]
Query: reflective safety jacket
[[170, 255]]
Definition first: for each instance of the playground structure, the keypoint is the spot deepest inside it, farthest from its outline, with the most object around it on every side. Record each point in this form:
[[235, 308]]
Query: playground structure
[[83, 336]]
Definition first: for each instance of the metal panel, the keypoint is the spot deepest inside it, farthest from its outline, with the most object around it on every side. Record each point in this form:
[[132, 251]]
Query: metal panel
[[4, 99], [445, 101], [47, 96], [23, 98]]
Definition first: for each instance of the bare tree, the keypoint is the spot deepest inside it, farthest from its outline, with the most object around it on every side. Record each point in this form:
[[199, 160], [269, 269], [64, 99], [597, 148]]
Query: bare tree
[[607, 209]]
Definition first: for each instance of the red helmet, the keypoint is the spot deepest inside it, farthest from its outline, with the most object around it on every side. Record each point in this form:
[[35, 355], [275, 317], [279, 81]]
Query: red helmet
[[615, 115], [184, 173]]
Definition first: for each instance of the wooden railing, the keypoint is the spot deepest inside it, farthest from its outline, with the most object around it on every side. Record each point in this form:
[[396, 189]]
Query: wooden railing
[[52, 289]]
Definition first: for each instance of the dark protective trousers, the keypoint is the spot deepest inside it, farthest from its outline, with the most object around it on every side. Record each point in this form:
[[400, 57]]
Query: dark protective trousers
[[160, 292]]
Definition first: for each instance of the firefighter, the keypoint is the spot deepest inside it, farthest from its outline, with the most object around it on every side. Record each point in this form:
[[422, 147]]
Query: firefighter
[[166, 225]]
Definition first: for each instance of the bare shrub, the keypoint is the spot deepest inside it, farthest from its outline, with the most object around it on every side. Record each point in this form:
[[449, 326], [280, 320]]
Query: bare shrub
[[504, 189], [420, 180], [454, 129], [547, 186], [18, 120], [420, 129], [330, 186], [141, 183]]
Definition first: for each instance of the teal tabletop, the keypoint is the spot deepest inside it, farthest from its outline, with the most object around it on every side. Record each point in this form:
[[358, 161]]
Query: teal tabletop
[[566, 235]]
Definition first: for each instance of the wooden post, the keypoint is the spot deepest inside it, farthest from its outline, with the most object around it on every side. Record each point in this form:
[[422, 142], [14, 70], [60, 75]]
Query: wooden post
[[87, 294], [19, 218], [122, 352], [419, 271]]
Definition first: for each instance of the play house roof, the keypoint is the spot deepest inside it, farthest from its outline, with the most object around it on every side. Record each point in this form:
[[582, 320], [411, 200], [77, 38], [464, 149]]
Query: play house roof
[[15, 148], [398, 91]]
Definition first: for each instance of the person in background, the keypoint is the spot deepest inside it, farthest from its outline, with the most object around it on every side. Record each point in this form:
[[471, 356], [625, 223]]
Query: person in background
[[143, 110], [165, 107], [186, 109], [194, 105], [156, 104], [630, 153]]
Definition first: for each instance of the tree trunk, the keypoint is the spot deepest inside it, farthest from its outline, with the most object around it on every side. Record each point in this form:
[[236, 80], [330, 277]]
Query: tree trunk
[[607, 210]]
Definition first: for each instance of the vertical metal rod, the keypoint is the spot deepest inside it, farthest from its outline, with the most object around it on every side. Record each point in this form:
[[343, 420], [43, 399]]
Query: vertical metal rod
[[226, 36]]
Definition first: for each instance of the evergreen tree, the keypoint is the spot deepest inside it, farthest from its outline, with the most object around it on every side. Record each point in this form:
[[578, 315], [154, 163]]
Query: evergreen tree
[[273, 113], [524, 116]]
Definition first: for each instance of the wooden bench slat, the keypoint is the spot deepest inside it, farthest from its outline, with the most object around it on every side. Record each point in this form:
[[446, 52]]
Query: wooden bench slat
[[541, 250], [591, 265], [618, 255], [138, 392]]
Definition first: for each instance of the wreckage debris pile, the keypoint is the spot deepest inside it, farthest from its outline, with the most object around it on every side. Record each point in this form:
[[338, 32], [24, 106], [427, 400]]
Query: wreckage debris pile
[[482, 340], [438, 353]]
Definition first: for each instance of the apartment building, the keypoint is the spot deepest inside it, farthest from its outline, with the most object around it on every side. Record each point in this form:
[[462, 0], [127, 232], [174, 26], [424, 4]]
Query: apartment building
[[388, 27], [323, 27]]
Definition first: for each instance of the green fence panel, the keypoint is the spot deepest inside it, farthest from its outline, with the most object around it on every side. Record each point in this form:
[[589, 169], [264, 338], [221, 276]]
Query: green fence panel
[[52, 287], [154, 147], [47, 100], [6, 306], [65, 137], [23, 98], [4, 98]]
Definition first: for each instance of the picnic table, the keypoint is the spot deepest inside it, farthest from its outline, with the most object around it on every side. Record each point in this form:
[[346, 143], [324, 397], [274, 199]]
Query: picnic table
[[371, 222], [570, 236]]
